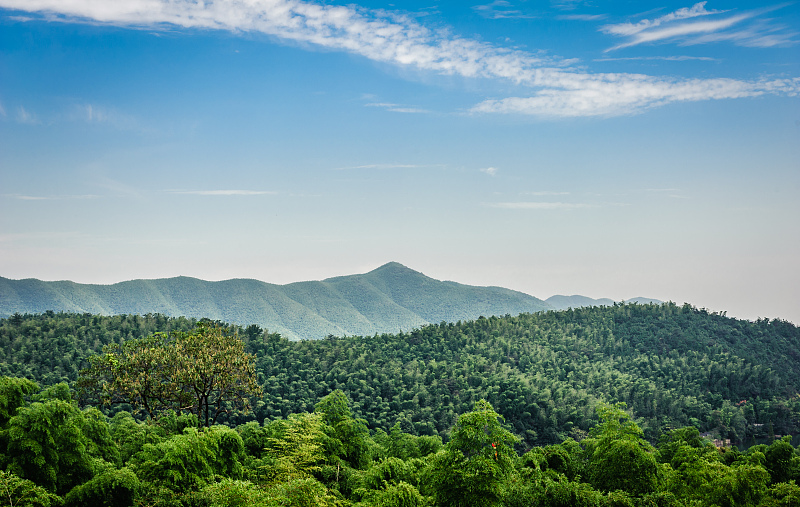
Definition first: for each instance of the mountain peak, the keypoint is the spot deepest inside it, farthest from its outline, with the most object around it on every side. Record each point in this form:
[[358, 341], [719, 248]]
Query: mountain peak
[[393, 266]]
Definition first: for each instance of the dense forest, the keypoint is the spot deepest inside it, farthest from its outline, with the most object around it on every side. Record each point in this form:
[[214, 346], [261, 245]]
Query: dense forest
[[595, 407], [53, 453], [672, 365]]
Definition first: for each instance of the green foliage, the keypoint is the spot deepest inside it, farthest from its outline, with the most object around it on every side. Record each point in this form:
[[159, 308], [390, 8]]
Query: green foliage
[[470, 470], [298, 450], [12, 396], [347, 437], [205, 372], [49, 348], [236, 493], [620, 459], [46, 445], [781, 461], [113, 488], [673, 365], [783, 494], [189, 461], [15, 491], [400, 494], [130, 436]]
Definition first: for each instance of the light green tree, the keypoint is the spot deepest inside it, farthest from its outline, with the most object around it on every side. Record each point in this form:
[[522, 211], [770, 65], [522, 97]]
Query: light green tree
[[619, 458], [470, 470]]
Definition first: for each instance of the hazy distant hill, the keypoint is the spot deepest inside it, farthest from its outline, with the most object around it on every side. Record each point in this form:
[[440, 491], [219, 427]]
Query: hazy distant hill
[[387, 299], [564, 302]]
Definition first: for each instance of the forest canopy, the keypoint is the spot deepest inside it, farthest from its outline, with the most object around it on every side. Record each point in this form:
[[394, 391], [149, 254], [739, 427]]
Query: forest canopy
[[545, 373]]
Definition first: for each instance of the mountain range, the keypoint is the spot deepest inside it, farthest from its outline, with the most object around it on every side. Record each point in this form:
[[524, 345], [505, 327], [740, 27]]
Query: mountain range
[[386, 300]]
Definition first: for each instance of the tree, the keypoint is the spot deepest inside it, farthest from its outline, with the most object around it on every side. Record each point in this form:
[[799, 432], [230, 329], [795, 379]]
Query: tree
[[620, 458], [17, 491], [471, 468], [46, 445], [298, 451], [12, 396], [205, 372]]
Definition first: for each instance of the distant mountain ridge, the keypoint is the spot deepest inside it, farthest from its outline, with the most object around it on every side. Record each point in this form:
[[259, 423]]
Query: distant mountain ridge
[[385, 300], [564, 302]]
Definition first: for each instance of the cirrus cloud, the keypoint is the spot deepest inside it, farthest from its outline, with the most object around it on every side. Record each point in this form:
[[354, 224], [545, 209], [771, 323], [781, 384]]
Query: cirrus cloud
[[379, 35]]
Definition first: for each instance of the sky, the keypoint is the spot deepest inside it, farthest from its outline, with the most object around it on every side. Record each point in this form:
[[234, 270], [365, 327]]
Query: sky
[[608, 149]]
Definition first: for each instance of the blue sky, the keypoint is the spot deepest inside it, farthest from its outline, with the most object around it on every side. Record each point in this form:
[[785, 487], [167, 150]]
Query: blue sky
[[610, 149]]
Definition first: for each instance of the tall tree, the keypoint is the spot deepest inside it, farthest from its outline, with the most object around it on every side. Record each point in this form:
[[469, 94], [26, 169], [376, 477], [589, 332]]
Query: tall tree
[[205, 372], [473, 465]]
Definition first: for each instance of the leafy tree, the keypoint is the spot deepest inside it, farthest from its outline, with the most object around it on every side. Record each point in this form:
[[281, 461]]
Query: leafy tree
[[237, 493], [46, 445], [620, 459], [781, 462], [15, 491], [471, 468], [298, 451], [783, 494], [113, 488], [189, 461], [12, 396], [214, 372], [347, 437], [205, 372]]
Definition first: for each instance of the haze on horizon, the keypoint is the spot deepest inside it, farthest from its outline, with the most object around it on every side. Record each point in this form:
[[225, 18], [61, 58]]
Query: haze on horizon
[[608, 149]]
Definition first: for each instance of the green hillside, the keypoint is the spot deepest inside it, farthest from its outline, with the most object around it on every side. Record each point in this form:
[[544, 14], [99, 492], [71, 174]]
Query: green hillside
[[389, 299], [545, 373]]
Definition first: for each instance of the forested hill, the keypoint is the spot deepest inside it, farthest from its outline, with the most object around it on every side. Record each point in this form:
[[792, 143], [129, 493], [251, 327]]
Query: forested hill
[[545, 372], [388, 299]]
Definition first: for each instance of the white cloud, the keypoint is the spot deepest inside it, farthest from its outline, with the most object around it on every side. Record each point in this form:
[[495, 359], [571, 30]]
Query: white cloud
[[681, 30], [491, 171], [221, 192], [93, 113], [620, 94], [697, 9], [26, 117], [384, 36], [582, 17], [500, 9], [759, 33], [397, 108], [679, 58]]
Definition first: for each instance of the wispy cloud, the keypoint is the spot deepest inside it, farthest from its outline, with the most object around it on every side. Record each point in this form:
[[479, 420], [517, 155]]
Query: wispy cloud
[[568, 5], [397, 108], [696, 10], [675, 27], [582, 17], [221, 192], [677, 58], [501, 9], [542, 205], [384, 36], [26, 117], [619, 94], [491, 171], [94, 113], [24, 197]]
